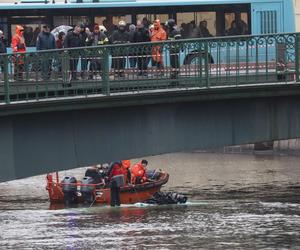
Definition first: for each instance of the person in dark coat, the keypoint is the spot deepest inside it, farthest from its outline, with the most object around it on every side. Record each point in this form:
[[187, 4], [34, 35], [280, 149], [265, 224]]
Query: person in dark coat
[[96, 38], [3, 50], [174, 34], [73, 40], [84, 33], [119, 36], [131, 32], [142, 35], [46, 41], [204, 30]]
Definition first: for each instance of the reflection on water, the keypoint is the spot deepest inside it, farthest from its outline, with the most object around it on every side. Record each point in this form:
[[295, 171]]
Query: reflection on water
[[235, 201]]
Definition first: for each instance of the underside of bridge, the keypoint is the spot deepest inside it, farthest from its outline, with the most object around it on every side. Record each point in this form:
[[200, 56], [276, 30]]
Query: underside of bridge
[[45, 136]]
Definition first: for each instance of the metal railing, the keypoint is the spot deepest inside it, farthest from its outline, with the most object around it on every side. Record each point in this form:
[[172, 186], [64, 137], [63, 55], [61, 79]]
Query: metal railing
[[103, 70]]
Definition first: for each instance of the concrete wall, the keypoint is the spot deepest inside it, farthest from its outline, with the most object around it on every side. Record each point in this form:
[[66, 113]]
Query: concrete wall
[[38, 143]]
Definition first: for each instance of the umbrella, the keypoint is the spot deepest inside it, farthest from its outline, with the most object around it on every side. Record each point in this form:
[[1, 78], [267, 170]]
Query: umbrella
[[61, 28]]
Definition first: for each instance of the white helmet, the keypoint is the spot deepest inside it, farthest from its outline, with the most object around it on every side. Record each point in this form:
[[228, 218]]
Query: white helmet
[[102, 28], [122, 23]]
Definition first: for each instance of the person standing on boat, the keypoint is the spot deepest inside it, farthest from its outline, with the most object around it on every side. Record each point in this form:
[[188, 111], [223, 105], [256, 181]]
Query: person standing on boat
[[138, 172]]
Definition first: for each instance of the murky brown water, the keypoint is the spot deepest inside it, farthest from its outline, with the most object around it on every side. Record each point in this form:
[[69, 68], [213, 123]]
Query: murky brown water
[[235, 201]]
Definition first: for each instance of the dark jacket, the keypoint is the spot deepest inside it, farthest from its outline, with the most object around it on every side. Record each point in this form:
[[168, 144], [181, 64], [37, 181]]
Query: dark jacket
[[72, 40], [95, 39], [174, 34], [45, 40], [142, 35], [3, 48], [119, 37]]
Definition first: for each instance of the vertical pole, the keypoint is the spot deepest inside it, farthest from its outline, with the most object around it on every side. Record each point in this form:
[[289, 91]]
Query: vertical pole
[[65, 66], [206, 63], [6, 81], [105, 86], [297, 58]]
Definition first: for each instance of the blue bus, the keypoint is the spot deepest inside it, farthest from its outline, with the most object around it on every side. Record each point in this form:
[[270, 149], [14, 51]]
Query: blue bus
[[256, 16]]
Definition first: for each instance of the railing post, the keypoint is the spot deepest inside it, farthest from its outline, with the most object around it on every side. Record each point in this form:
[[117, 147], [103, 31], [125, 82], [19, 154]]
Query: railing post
[[206, 67], [105, 74], [297, 57], [6, 80], [65, 61]]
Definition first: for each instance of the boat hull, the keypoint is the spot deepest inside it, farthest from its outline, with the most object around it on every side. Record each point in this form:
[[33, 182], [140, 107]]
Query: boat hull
[[129, 194]]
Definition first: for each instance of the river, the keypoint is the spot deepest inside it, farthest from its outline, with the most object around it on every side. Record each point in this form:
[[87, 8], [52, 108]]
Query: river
[[236, 201]]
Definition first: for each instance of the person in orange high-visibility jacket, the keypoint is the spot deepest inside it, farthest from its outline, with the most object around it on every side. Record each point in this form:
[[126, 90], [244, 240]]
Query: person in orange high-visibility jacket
[[158, 35], [126, 169], [18, 45], [138, 172]]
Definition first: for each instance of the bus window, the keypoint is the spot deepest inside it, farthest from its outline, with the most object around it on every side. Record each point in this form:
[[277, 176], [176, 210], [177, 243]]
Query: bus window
[[206, 21], [149, 18], [70, 20], [197, 24], [117, 19], [186, 23], [236, 23]]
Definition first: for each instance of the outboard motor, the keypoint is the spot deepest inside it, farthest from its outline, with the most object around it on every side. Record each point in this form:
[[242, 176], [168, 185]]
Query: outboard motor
[[87, 191], [69, 189]]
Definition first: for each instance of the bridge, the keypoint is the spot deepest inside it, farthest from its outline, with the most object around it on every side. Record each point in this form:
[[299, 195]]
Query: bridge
[[222, 91]]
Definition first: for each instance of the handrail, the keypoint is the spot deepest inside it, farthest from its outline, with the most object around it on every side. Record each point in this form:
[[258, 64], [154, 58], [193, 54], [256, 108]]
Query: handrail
[[160, 66]]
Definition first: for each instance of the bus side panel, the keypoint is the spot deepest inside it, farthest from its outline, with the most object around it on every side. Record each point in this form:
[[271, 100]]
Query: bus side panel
[[289, 16], [267, 18]]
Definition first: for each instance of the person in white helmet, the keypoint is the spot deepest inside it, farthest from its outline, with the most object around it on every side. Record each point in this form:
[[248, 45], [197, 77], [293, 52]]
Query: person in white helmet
[[96, 38], [119, 36]]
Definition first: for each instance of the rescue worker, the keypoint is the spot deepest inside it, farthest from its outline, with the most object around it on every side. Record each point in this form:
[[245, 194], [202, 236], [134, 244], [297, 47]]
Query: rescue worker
[[46, 41], [96, 38], [18, 46], [126, 168], [141, 35], [119, 36], [138, 172], [73, 40], [174, 34], [116, 169], [3, 50], [158, 35]]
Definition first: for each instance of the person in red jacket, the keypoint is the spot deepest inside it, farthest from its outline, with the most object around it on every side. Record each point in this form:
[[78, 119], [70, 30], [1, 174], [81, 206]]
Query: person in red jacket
[[18, 46], [138, 172], [116, 169]]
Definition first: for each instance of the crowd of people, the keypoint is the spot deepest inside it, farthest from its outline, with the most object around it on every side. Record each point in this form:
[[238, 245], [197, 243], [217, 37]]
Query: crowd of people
[[82, 36]]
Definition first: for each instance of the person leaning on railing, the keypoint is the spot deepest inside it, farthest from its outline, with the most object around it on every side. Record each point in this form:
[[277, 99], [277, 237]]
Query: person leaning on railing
[[46, 41], [119, 36], [158, 35], [174, 34], [73, 40], [18, 46], [141, 35], [97, 38]]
